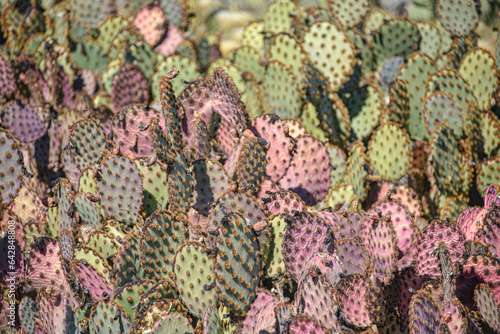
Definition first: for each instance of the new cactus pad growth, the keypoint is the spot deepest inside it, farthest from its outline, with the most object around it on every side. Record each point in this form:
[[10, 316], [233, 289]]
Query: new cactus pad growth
[[223, 167]]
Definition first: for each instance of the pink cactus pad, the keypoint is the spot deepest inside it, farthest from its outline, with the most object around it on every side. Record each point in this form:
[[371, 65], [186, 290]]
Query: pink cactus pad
[[306, 234], [316, 298], [283, 201], [45, 250], [402, 222], [309, 171], [424, 314], [129, 87], [427, 264], [170, 43], [279, 155], [150, 21]]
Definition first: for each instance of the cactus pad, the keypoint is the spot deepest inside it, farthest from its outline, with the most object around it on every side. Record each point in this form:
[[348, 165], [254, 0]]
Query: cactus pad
[[306, 234], [427, 263], [23, 121], [193, 270], [318, 180], [120, 188], [279, 155], [163, 234], [282, 93], [390, 151], [237, 264], [12, 174], [323, 41], [211, 183], [460, 18], [127, 132], [488, 306]]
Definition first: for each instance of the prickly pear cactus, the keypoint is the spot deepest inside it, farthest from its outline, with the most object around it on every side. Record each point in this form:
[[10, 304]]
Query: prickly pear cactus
[[120, 188], [12, 168], [389, 151], [193, 271], [163, 234], [305, 235], [238, 264]]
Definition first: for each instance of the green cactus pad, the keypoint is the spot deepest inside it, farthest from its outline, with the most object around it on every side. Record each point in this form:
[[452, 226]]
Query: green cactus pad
[[92, 14], [181, 185], [250, 170], [323, 41], [365, 107], [108, 317], [309, 15], [104, 243], [490, 129], [89, 142], [109, 29], [396, 38], [253, 36], [282, 91], [479, 69], [238, 265], [473, 131], [89, 55], [65, 209], [248, 59], [91, 256], [399, 107], [241, 202], [27, 313], [274, 265], [155, 183], [287, 49], [356, 172], [332, 114], [277, 18], [173, 323], [163, 234], [430, 42], [188, 70], [160, 142], [193, 270], [449, 164], [11, 176], [120, 188], [310, 120], [416, 73], [350, 14], [488, 174], [389, 151], [450, 81], [460, 18], [88, 211], [128, 265], [130, 294], [441, 107]]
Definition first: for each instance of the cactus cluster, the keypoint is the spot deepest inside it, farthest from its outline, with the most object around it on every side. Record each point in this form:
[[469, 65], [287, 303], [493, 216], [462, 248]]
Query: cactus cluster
[[334, 170]]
